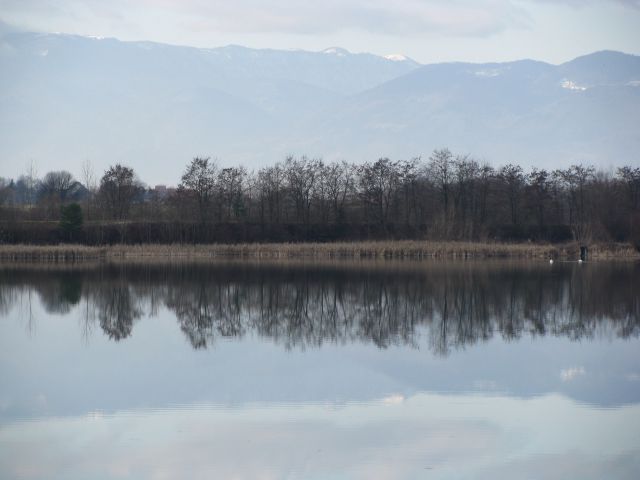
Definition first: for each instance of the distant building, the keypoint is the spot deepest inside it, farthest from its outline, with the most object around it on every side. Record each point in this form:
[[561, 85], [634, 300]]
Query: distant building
[[161, 192]]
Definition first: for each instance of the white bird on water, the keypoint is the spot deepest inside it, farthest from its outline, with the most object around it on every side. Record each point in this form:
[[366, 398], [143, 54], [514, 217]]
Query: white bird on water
[[551, 261]]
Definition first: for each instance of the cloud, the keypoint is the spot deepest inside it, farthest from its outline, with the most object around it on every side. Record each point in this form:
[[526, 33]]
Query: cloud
[[460, 18], [428, 17], [586, 3], [198, 21], [569, 374], [395, 399], [452, 435]]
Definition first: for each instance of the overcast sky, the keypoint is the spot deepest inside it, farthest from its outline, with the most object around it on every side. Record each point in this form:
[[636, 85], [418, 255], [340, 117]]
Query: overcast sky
[[427, 30]]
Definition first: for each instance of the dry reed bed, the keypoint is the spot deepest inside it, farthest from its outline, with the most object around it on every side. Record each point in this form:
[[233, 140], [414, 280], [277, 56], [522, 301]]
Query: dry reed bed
[[376, 250]]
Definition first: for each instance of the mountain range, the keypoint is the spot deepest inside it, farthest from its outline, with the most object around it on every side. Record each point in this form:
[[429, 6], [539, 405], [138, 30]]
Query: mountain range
[[65, 99]]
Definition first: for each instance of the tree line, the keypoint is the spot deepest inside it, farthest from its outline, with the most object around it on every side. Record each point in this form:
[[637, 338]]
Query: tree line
[[445, 196]]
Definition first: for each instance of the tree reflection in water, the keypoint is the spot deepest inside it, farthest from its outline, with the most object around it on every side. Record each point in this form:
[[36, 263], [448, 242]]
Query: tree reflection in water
[[300, 305]]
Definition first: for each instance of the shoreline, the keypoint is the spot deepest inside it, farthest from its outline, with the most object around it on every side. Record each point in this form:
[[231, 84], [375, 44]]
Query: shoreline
[[399, 250]]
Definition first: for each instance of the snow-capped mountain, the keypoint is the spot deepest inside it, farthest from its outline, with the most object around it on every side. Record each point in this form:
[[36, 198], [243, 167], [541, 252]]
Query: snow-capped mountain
[[64, 99], [586, 110]]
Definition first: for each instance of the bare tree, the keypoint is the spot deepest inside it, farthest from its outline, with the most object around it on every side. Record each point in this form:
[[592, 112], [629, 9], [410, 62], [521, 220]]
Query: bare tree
[[31, 183], [408, 185], [55, 189], [57, 185], [539, 185], [378, 182], [485, 177], [89, 179], [441, 171], [118, 189], [631, 179], [575, 180], [512, 179], [270, 185], [340, 184], [199, 181], [6, 190], [301, 177], [466, 172], [231, 183]]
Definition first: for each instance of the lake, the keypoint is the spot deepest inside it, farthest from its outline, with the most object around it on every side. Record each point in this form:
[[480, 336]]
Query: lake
[[353, 370]]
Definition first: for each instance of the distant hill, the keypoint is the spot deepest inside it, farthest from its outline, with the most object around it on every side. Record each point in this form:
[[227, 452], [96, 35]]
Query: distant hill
[[523, 112], [67, 98]]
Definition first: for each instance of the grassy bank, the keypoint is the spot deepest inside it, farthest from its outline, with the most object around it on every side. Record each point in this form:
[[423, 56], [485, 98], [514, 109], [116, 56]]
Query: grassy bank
[[405, 249]]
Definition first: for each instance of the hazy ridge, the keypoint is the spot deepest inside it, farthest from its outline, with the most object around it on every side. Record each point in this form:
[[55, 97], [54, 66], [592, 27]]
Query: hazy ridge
[[64, 99]]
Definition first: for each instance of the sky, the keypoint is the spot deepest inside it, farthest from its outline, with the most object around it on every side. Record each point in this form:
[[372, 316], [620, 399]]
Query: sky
[[426, 30]]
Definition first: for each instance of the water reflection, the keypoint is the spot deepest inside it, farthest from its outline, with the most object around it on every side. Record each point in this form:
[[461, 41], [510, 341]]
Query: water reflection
[[302, 306], [355, 371]]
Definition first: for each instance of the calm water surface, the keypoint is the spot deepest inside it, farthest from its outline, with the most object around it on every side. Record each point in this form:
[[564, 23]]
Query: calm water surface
[[332, 371]]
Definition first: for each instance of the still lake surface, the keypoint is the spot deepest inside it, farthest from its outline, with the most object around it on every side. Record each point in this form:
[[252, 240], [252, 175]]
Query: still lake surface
[[320, 371]]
